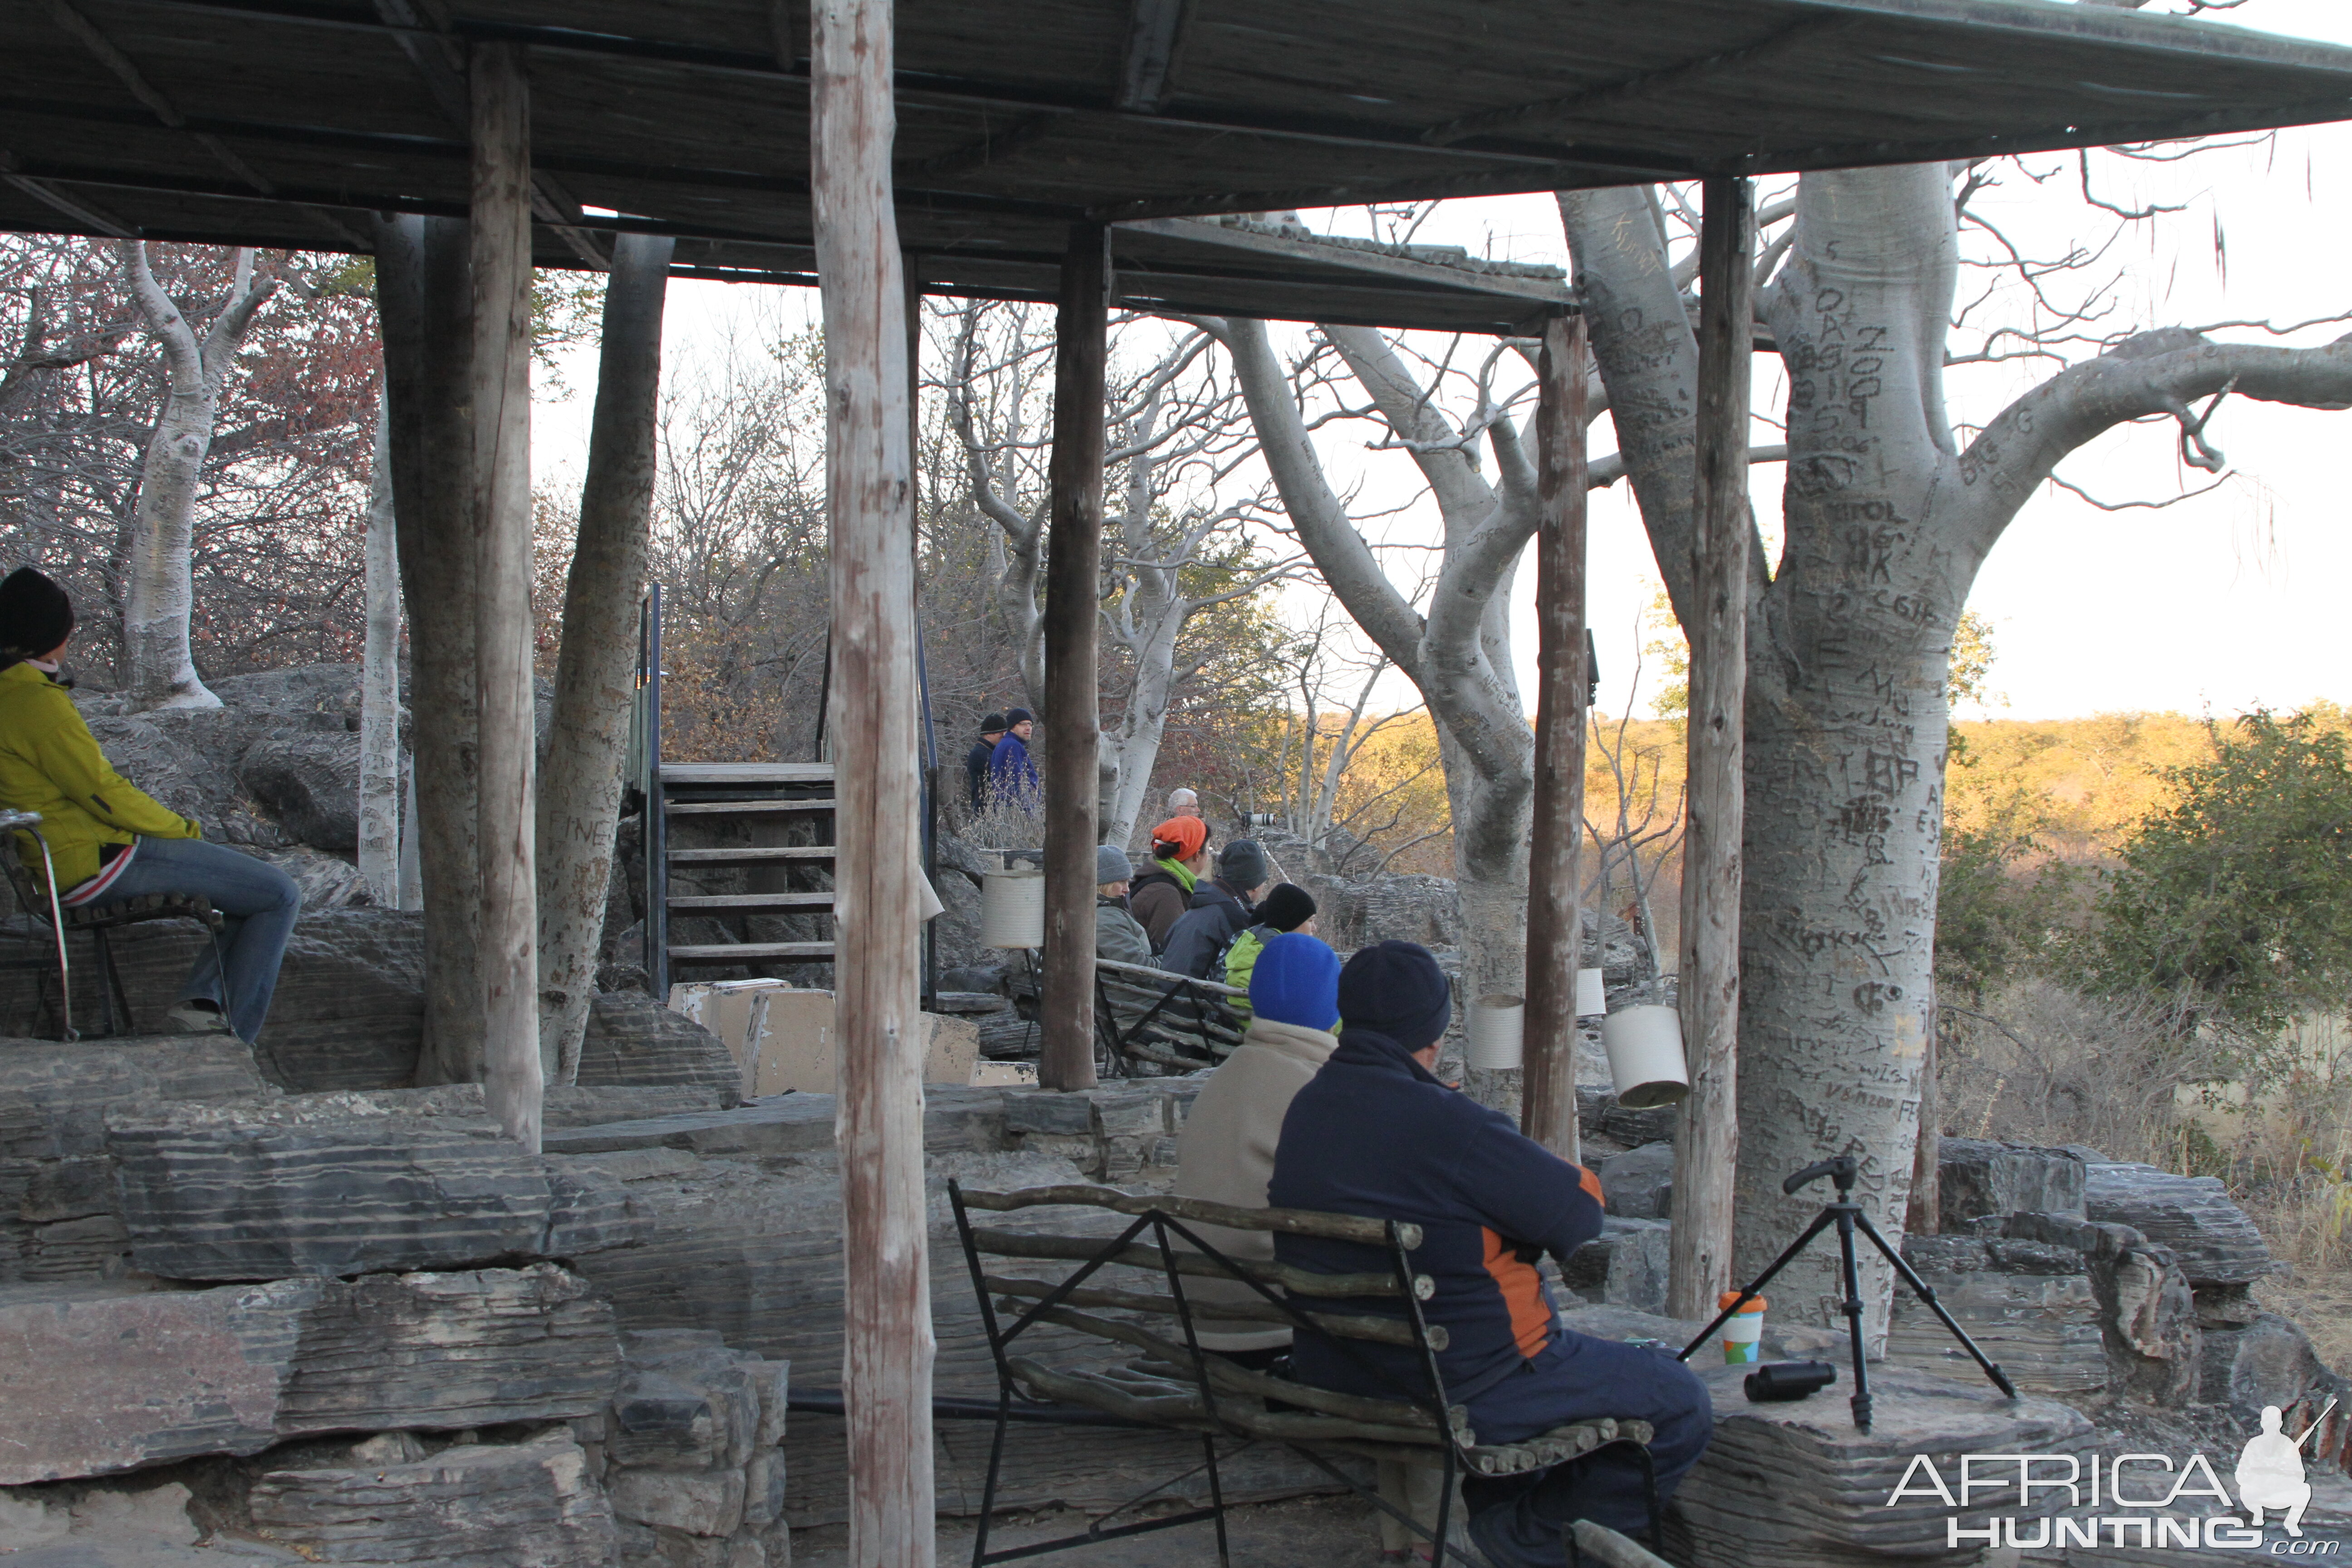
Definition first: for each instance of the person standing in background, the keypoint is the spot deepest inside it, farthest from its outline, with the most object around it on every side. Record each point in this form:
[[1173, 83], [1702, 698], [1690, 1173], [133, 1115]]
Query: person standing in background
[[1011, 776], [1180, 854], [975, 762]]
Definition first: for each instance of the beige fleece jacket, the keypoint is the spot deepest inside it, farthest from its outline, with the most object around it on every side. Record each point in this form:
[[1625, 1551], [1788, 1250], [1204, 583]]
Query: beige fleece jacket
[[1226, 1155]]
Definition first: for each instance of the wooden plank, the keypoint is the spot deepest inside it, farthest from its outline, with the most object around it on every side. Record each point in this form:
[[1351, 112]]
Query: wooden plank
[[746, 773], [727, 952], [1706, 1147], [1072, 717], [745, 903], [750, 852], [742, 808], [512, 1079], [1555, 920], [887, 1347]]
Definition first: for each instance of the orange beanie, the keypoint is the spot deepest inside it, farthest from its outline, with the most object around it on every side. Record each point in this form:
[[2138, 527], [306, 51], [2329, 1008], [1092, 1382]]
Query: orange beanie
[[1179, 838]]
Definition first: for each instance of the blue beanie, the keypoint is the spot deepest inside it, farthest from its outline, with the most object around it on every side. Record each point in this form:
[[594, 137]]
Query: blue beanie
[[1296, 981], [1395, 988]]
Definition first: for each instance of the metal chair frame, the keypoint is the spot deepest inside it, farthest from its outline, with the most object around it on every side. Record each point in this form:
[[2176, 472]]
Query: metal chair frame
[[1432, 1398], [113, 997]]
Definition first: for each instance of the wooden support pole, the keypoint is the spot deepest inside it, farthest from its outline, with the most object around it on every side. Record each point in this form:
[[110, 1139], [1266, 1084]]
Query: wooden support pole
[[1555, 918], [596, 670], [1073, 726], [878, 1118], [1707, 1150], [425, 299], [511, 1079]]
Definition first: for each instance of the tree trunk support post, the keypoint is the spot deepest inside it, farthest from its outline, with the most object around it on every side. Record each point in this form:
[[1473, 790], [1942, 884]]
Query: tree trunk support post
[[1073, 618], [879, 1120], [1555, 919], [500, 384], [595, 672], [1707, 1149]]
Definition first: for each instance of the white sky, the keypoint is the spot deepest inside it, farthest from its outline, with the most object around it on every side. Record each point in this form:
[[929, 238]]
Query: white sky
[[2226, 601]]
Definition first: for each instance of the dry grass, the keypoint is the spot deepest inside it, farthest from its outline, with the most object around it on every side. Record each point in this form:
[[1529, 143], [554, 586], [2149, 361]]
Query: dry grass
[[2043, 1064]]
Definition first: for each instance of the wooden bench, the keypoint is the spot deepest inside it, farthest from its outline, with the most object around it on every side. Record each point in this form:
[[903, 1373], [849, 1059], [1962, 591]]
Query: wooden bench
[[1128, 1290], [1172, 1020]]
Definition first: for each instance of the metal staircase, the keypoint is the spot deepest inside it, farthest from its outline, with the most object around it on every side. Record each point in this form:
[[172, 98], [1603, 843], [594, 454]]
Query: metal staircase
[[731, 816], [770, 822]]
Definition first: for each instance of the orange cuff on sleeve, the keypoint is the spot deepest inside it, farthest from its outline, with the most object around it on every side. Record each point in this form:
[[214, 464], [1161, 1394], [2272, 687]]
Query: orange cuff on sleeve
[[1591, 1184]]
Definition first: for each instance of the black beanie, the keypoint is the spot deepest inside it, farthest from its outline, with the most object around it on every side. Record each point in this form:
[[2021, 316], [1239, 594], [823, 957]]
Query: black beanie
[[992, 725], [1395, 988], [1287, 908], [36, 615]]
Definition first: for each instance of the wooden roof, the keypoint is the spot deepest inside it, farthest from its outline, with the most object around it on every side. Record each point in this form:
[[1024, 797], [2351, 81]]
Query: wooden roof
[[282, 123]]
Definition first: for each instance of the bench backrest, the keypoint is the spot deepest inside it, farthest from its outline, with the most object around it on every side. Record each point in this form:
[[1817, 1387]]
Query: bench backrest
[[1173, 1020]]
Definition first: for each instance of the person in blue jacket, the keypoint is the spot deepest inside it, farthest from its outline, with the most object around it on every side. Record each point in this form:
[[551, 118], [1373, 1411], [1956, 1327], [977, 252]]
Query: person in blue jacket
[[1374, 1133], [1011, 776]]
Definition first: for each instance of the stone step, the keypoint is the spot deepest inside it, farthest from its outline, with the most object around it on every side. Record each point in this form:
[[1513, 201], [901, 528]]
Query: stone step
[[533, 1503], [346, 1184], [954, 1119], [100, 1378]]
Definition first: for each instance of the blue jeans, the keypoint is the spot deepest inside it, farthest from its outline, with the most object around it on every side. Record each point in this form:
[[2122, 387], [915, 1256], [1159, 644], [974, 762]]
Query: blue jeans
[[1579, 1378], [260, 903]]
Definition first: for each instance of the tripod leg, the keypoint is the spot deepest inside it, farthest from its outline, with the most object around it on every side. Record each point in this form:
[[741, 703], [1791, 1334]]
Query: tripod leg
[[1926, 1293], [1821, 1222], [1846, 1214]]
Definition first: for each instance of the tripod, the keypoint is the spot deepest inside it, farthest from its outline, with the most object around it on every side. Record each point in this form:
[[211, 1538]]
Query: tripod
[[1847, 1215]]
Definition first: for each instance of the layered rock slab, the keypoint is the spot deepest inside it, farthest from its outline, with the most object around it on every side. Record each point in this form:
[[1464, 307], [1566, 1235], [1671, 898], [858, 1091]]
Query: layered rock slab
[[528, 1505], [58, 1207], [95, 1379], [2029, 1305], [1797, 1486], [2211, 1236], [347, 1184]]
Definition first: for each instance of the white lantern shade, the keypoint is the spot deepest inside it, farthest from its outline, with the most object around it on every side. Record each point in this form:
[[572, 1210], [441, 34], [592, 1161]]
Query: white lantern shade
[[1497, 1033], [1645, 1056], [1591, 997], [1013, 909]]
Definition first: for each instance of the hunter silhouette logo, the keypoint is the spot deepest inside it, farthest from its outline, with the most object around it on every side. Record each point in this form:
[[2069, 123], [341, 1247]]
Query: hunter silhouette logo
[[2270, 1472], [2147, 1494]]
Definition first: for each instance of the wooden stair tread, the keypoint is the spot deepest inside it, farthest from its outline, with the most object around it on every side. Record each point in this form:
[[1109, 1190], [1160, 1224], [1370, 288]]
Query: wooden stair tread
[[741, 807], [749, 951], [742, 853], [744, 903], [746, 773]]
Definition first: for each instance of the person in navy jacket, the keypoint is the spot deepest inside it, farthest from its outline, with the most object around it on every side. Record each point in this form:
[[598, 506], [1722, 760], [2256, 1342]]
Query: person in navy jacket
[[1374, 1133]]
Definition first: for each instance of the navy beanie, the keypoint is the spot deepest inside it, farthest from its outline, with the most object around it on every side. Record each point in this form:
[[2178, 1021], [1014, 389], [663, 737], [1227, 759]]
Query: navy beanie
[[1287, 908], [1296, 980], [1395, 988], [36, 615], [1018, 715]]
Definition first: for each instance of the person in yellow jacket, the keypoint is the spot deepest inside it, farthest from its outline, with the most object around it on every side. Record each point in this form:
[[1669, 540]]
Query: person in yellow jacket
[[108, 841]]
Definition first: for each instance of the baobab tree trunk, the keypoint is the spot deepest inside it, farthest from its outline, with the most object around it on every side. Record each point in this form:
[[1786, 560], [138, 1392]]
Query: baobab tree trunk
[[424, 294], [158, 662], [1848, 640], [887, 1339], [580, 794], [379, 815]]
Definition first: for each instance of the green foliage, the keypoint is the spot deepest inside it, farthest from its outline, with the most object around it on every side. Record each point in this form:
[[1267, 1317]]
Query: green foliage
[[1999, 898], [2234, 900]]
